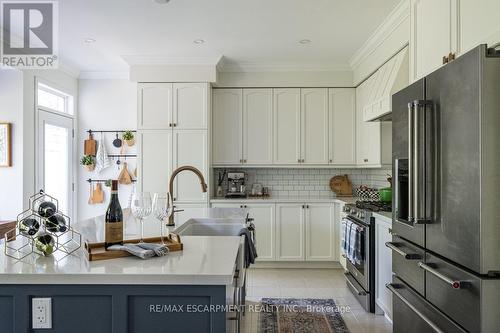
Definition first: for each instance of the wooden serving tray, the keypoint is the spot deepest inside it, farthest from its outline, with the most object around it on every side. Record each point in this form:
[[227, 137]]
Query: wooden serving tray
[[96, 251]]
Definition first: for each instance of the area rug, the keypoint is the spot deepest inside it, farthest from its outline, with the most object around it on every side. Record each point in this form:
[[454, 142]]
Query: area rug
[[292, 315]]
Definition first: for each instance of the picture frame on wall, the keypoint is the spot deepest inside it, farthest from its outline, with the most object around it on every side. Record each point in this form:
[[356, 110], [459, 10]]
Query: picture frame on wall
[[5, 145]]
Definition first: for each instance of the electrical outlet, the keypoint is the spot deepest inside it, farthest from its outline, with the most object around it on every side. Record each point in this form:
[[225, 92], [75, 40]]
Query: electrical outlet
[[41, 309]]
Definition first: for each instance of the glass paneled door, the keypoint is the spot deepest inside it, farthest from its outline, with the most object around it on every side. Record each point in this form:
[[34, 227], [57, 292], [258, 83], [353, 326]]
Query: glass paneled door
[[55, 158]]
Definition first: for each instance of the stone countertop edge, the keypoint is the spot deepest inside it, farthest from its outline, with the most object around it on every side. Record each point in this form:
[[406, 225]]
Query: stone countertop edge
[[286, 199], [205, 260]]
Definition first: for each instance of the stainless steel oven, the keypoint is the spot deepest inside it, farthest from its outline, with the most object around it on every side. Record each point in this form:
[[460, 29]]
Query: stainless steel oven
[[360, 273]]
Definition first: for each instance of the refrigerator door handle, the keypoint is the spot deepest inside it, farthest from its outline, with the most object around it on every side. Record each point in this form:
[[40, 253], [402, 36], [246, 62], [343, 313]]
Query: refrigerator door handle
[[411, 129], [393, 288], [455, 284]]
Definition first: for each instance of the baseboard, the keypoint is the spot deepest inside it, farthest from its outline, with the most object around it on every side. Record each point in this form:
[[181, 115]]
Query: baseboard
[[297, 264]]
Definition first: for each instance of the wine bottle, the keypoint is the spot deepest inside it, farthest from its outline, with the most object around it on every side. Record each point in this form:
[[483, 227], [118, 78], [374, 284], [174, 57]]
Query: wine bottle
[[29, 226], [45, 244], [114, 219], [56, 223], [46, 209]]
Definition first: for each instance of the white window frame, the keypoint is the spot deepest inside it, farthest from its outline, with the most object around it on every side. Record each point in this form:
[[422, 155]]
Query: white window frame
[[70, 103]]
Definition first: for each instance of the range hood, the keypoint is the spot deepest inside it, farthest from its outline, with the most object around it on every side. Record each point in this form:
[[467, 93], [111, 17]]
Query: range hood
[[387, 80]]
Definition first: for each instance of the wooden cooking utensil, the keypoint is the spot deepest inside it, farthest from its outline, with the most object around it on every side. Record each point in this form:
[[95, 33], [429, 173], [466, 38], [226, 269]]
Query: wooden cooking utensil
[[91, 198], [98, 194], [89, 146], [341, 185], [124, 177]]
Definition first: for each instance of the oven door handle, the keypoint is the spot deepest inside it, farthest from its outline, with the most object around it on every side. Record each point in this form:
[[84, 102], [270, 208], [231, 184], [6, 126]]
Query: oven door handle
[[393, 289], [358, 292], [407, 256]]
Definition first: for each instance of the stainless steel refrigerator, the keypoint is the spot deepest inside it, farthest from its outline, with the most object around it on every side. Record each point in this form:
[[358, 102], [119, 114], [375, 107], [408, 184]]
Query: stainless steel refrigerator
[[446, 205]]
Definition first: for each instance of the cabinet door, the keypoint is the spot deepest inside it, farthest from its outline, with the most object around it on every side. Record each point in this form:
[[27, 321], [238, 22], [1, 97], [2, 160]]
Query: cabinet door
[[264, 220], [155, 160], [342, 104], [190, 110], [320, 232], [368, 134], [432, 28], [227, 127], [383, 266], [188, 211], [290, 232], [154, 105], [478, 23], [314, 126], [286, 119], [190, 147], [257, 126]]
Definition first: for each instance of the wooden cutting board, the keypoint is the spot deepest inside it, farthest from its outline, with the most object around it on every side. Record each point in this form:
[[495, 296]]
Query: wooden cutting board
[[341, 185], [96, 251], [89, 146]]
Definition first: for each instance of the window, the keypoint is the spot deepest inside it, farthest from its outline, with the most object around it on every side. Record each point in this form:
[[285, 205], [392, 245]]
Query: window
[[52, 99]]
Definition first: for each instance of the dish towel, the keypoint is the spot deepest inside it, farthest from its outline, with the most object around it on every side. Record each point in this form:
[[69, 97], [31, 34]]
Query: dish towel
[[358, 247], [142, 250], [102, 160], [352, 241], [250, 251], [344, 234]]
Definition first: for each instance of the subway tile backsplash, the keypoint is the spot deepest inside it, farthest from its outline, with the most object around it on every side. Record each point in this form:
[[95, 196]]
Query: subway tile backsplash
[[307, 182]]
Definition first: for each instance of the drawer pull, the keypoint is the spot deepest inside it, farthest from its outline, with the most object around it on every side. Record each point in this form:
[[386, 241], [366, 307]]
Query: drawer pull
[[393, 288], [359, 292], [455, 284], [407, 256]]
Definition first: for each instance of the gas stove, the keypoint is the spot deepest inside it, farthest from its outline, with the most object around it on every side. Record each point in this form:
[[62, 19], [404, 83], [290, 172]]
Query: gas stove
[[363, 209], [374, 206]]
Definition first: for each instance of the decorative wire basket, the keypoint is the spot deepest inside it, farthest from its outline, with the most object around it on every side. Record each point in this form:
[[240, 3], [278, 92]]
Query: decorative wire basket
[[19, 244]]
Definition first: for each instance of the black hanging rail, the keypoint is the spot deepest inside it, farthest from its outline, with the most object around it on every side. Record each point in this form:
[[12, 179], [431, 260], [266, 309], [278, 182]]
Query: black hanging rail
[[122, 155], [90, 180], [107, 131]]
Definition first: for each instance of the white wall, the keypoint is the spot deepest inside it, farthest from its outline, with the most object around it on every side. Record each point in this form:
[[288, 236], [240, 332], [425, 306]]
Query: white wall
[[11, 111], [104, 105]]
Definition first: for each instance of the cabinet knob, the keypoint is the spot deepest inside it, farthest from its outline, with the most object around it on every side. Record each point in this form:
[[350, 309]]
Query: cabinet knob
[[175, 124], [451, 56], [244, 161], [303, 206], [331, 160], [365, 160], [445, 60], [170, 125], [307, 206], [303, 160]]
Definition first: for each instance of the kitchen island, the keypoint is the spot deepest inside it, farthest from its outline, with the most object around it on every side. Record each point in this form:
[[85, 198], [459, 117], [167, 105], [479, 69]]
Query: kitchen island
[[185, 291]]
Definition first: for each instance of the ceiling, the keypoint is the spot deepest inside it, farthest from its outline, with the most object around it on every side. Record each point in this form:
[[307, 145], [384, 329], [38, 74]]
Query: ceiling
[[249, 34]]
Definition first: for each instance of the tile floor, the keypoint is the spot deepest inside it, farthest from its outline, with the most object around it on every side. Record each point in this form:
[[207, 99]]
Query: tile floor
[[309, 283]]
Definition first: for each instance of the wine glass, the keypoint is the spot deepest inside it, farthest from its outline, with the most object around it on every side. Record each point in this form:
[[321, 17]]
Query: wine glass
[[162, 210], [141, 208]]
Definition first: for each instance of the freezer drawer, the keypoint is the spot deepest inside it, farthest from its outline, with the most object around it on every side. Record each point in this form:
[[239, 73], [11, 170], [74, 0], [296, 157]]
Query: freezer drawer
[[405, 259], [454, 291], [413, 314]]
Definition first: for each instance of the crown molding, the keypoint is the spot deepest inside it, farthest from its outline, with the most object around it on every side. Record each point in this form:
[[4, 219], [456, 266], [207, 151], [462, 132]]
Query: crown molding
[[159, 60], [279, 67], [395, 18], [104, 75]]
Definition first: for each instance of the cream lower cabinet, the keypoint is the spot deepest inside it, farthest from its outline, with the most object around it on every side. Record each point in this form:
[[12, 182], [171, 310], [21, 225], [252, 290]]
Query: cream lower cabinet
[[265, 227], [320, 232], [383, 265], [290, 232]]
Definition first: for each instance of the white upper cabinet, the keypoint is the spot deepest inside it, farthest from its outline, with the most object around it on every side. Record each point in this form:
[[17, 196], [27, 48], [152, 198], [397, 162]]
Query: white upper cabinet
[[320, 232], [433, 34], [190, 105], [314, 126], [227, 126], [342, 118], [154, 105], [190, 147], [257, 126], [286, 119], [155, 164], [479, 23], [368, 134]]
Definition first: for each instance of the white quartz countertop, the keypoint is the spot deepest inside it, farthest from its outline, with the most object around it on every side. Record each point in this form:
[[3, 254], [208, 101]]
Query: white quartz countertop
[[285, 200], [205, 260]]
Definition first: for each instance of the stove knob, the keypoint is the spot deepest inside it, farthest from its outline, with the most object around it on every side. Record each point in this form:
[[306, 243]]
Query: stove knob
[[362, 215]]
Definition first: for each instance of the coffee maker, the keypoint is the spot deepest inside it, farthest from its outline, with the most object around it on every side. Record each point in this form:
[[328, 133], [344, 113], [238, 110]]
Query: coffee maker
[[236, 187]]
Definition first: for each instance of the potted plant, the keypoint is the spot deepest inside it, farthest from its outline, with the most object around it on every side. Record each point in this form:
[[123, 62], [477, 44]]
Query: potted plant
[[129, 138], [88, 162]]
